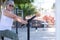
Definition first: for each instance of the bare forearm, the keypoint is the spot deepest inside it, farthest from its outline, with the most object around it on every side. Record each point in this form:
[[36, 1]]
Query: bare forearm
[[17, 18]]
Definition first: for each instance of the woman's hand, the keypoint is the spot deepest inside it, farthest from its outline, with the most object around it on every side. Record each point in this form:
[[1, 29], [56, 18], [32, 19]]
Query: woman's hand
[[24, 22]]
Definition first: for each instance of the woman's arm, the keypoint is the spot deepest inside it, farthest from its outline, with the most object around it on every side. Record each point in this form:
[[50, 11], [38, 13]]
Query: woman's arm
[[15, 17]]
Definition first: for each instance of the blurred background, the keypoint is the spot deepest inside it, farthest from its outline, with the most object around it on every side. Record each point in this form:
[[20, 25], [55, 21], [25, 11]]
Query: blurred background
[[41, 28]]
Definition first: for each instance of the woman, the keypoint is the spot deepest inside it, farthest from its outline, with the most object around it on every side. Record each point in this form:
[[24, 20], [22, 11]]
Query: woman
[[7, 18]]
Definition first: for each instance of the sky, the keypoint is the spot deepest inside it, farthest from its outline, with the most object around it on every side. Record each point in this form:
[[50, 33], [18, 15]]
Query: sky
[[43, 3]]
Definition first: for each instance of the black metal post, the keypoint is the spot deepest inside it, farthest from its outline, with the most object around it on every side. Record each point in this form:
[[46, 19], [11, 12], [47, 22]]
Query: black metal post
[[16, 21], [2, 37], [28, 27], [28, 31]]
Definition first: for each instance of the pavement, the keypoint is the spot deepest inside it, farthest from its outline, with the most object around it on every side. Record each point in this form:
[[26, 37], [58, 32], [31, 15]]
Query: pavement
[[39, 34]]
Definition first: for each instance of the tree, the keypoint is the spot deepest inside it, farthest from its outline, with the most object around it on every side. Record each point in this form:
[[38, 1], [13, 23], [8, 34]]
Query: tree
[[22, 1], [28, 9], [26, 6]]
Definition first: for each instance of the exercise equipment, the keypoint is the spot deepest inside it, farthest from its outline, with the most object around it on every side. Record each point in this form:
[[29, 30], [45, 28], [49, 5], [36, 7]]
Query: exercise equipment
[[28, 27]]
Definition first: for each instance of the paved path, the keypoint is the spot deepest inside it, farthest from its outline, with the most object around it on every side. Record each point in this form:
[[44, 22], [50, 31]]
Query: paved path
[[39, 34]]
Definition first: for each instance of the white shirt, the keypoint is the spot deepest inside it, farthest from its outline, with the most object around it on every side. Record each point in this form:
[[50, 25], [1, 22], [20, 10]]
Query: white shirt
[[6, 22]]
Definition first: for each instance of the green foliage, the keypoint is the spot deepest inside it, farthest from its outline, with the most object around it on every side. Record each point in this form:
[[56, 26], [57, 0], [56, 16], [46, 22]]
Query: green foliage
[[23, 1], [26, 6]]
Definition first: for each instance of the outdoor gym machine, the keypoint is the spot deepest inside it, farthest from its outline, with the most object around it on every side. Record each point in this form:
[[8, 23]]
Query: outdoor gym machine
[[28, 27]]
